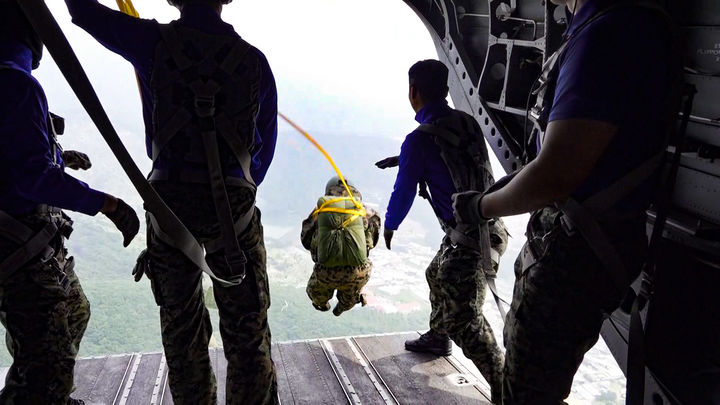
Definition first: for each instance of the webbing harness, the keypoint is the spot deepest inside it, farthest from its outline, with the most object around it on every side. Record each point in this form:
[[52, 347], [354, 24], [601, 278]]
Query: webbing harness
[[461, 145], [211, 124], [32, 243]]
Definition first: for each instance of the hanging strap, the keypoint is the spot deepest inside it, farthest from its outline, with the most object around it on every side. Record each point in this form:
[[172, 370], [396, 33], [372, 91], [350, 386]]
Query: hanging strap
[[635, 394], [47, 28], [32, 244]]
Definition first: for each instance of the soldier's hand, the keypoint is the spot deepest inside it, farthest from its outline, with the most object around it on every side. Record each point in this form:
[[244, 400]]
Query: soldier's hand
[[466, 207], [76, 160], [388, 235], [124, 218], [142, 266], [392, 161]]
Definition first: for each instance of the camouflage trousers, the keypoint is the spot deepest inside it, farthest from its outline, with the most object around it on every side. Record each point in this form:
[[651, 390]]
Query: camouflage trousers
[[457, 293], [559, 305], [348, 281], [45, 313], [185, 321]]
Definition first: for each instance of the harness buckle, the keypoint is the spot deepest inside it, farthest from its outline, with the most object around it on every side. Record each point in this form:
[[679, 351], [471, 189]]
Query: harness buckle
[[205, 106], [47, 255], [236, 263]]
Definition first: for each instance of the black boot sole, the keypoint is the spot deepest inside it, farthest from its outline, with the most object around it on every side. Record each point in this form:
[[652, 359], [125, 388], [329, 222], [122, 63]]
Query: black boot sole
[[435, 351]]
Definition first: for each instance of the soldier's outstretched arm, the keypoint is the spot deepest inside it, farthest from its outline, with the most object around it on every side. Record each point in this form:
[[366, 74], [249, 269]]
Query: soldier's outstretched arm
[[132, 38], [33, 172], [410, 170], [569, 153]]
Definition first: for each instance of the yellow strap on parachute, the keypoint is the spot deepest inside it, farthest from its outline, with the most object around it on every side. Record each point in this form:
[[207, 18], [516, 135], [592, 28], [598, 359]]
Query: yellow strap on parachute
[[359, 210]]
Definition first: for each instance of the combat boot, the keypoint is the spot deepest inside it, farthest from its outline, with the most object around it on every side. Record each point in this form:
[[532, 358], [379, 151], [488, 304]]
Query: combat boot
[[73, 401], [430, 342], [323, 308]]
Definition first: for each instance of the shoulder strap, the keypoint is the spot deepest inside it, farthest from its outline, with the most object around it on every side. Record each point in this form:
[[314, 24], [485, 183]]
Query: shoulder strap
[[171, 39], [440, 132]]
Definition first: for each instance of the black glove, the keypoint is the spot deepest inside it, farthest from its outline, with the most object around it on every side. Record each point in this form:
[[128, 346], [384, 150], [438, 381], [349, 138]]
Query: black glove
[[76, 160], [142, 266], [388, 234], [126, 220], [392, 161], [466, 207]]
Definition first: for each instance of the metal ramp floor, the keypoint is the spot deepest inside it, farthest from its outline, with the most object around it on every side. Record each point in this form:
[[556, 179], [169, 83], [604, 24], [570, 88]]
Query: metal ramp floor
[[371, 369]]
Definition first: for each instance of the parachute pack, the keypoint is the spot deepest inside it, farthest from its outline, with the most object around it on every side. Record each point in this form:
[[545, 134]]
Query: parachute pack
[[341, 239]]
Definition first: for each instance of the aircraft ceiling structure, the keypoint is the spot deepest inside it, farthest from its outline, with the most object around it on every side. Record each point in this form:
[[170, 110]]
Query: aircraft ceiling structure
[[495, 50]]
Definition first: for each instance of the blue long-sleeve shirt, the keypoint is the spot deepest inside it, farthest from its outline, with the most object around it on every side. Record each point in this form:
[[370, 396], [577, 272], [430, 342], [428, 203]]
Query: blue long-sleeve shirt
[[136, 40], [420, 161], [28, 176]]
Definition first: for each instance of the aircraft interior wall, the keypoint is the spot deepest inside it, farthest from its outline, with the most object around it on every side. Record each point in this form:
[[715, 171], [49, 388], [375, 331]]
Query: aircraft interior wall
[[495, 50]]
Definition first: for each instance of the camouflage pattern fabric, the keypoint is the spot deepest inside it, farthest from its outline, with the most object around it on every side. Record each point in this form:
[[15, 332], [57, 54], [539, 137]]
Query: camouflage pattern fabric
[[559, 304], [184, 318], [348, 281], [457, 293], [45, 313], [498, 241]]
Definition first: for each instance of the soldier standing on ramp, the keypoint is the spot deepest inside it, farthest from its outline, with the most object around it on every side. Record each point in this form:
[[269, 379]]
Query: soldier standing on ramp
[[447, 154], [44, 309], [210, 110], [340, 250], [589, 188]]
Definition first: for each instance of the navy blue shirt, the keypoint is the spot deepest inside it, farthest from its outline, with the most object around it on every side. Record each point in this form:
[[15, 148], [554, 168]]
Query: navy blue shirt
[[28, 176], [617, 71], [420, 160], [136, 40]]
